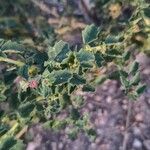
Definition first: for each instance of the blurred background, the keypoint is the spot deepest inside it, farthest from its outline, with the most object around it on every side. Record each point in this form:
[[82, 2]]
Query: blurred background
[[38, 23]]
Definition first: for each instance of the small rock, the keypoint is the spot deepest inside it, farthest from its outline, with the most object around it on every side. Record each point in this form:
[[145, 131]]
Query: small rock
[[137, 143], [139, 117], [136, 131], [147, 144], [109, 99]]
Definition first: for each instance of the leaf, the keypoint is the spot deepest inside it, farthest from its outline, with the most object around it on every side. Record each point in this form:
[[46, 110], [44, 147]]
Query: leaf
[[124, 82], [58, 52], [134, 68], [77, 80], [61, 76], [18, 146], [87, 64], [25, 109], [136, 79], [147, 12], [112, 39], [7, 143], [75, 115], [101, 79], [90, 33], [126, 55], [23, 71], [10, 45], [2, 97], [88, 88], [116, 75], [141, 88], [84, 56], [99, 59]]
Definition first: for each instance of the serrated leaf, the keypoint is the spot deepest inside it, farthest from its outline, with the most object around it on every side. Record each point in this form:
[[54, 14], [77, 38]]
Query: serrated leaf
[[99, 59], [136, 79], [147, 12], [10, 45], [77, 80], [18, 146], [90, 33], [7, 143], [58, 52], [75, 115], [134, 67], [140, 89], [84, 56], [88, 88], [87, 64], [124, 82], [61, 76], [25, 109], [101, 79], [116, 75], [126, 55], [23, 71], [2, 97]]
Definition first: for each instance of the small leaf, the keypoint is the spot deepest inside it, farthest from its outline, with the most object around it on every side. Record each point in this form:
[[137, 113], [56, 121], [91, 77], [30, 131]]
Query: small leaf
[[99, 59], [75, 115], [25, 109], [7, 143], [84, 56], [124, 82], [61, 76], [77, 80], [136, 79], [140, 89], [58, 52], [134, 67], [126, 55], [90, 33], [88, 88]]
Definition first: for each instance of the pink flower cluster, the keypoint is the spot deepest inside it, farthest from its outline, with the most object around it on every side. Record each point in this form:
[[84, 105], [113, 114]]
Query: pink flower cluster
[[33, 84]]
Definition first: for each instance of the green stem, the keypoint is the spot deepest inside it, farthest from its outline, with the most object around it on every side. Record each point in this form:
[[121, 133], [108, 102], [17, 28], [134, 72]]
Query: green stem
[[8, 60]]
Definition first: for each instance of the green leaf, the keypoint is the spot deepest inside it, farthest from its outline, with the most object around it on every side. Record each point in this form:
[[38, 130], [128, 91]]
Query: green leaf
[[87, 65], [136, 79], [25, 109], [112, 39], [115, 75], [2, 97], [18, 146], [7, 143], [124, 82], [77, 80], [90, 33], [58, 52], [75, 115], [126, 55], [147, 12], [140, 89], [61, 76], [10, 45], [101, 79], [23, 71], [99, 59], [84, 56], [88, 88], [134, 67]]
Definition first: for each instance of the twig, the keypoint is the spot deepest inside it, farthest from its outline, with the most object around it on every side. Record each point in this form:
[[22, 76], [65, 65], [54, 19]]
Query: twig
[[125, 140]]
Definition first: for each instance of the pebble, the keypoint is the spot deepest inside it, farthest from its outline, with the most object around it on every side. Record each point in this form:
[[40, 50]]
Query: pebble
[[147, 144], [109, 99], [139, 117], [136, 131], [137, 143]]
